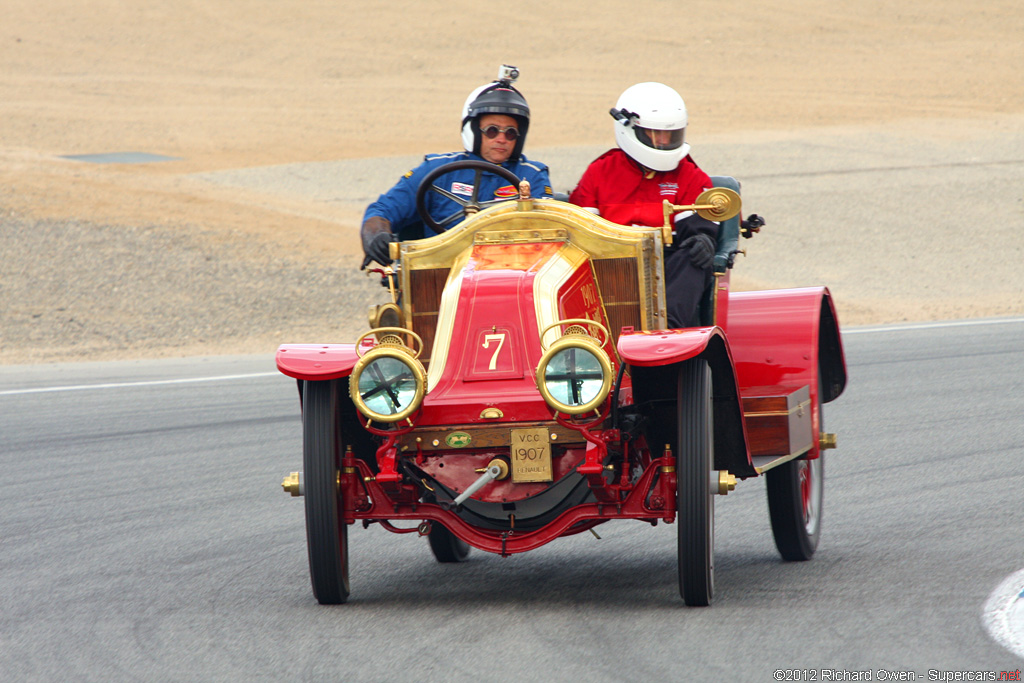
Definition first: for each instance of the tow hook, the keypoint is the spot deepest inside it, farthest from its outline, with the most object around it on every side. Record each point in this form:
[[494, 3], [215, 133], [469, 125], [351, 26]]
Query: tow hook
[[722, 482], [293, 484]]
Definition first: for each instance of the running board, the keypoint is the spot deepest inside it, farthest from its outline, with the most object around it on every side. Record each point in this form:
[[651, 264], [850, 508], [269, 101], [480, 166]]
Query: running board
[[763, 463]]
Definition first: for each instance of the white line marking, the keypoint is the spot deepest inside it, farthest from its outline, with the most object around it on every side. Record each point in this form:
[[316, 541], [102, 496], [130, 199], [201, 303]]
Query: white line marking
[[223, 378], [932, 326], [147, 383], [1004, 614]]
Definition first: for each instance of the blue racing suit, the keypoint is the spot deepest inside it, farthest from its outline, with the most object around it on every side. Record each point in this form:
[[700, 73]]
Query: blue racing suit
[[398, 205]]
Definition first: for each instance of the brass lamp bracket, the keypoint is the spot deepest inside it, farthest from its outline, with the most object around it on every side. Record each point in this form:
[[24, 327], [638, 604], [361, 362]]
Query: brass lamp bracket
[[392, 337], [716, 204]]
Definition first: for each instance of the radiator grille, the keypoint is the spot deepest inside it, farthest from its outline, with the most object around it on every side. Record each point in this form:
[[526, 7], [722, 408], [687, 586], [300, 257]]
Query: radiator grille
[[425, 297], [620, 292]]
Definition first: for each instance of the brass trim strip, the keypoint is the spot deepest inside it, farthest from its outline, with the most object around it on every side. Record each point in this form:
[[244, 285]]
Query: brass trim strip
[[447, 308], [548, 281], [776, 413], [527, 236]]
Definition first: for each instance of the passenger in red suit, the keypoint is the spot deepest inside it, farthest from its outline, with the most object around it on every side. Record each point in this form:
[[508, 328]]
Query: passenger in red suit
[[652, 163]]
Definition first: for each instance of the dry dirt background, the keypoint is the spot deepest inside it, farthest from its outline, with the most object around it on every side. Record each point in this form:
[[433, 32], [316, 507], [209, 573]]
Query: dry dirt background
[[131, 260]]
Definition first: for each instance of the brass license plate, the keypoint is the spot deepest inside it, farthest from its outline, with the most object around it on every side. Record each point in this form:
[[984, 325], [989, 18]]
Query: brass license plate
[[531, 455]]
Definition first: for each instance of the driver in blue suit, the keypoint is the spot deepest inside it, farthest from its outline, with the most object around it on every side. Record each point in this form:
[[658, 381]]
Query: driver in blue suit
[[495, 119]]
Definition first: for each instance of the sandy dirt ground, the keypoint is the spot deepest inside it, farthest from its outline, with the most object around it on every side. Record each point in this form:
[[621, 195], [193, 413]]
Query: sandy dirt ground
[[242, 84]]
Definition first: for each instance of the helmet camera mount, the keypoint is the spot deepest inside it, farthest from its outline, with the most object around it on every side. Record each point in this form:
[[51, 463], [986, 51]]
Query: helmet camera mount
[[507, 74], [623, 116]]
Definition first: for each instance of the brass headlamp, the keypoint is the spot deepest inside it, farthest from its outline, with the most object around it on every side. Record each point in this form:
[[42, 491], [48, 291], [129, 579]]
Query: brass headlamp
[[388, 382], [575, 374]]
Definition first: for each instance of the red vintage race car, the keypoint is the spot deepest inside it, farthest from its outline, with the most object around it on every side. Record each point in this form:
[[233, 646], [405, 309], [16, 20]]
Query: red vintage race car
[[521, 386]]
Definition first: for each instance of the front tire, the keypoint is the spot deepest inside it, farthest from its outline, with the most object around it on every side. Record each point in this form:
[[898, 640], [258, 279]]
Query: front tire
[[326, 532], [446, 546], [696, 503]]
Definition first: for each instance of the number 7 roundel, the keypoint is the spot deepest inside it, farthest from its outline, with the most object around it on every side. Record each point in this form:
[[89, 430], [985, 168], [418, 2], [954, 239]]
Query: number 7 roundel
[[495, 355]]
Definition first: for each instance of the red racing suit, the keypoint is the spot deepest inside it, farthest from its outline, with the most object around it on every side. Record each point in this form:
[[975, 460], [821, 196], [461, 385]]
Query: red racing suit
[[626, 193]]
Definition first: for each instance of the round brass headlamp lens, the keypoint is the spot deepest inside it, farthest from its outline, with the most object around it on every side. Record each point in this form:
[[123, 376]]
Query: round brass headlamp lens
[[574, 375], [388, 384]]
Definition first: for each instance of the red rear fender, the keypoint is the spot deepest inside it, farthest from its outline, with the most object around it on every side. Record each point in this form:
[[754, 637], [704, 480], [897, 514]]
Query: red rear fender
[[787, 337]]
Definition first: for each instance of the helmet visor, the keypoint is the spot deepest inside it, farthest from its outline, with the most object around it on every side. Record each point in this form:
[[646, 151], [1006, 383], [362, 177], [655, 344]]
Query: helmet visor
[[661, 139]]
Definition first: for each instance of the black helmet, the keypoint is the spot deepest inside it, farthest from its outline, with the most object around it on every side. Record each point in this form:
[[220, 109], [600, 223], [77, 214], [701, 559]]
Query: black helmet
[[498, 97]]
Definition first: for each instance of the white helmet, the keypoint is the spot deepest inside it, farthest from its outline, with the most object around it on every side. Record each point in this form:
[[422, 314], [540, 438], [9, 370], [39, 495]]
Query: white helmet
[[497, 97], [647, 107]]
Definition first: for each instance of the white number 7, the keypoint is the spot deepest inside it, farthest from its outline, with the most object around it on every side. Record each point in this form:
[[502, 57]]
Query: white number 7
[[488, 338]]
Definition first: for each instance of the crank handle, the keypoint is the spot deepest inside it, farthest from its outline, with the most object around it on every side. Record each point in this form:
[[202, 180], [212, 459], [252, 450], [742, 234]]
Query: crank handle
[[490, 474]]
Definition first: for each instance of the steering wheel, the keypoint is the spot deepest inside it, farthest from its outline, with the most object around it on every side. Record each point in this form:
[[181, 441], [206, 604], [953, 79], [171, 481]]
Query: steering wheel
[[468, 206]]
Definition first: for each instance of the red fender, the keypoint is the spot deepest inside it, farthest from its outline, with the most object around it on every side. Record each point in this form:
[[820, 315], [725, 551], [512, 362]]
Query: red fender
[[661, 347], [649, 354], [788, 338], [316, 361]]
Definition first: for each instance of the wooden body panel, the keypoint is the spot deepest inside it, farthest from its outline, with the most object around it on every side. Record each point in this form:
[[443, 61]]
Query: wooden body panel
[[778, 420]]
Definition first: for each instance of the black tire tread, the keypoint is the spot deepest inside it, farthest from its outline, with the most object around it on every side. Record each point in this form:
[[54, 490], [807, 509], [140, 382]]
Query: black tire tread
[[693, 466], [446, 546], [326, 534]]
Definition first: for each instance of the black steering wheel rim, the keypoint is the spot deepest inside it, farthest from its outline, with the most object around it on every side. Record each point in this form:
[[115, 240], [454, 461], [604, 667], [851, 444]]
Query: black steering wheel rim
[[468, 206]]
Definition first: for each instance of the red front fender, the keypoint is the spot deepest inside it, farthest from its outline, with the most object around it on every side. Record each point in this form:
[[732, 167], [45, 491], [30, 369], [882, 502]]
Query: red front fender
[[654, 357], [662, 347], [316, 361]]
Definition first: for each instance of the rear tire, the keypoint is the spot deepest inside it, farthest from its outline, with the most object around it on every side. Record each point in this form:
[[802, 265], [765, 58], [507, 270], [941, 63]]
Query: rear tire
[[326, 532], [446, 546], [795, 495], [696, 504], [796, 492]]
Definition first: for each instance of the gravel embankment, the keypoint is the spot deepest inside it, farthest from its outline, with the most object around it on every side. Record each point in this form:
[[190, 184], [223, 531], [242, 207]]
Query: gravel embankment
[[75, 291]]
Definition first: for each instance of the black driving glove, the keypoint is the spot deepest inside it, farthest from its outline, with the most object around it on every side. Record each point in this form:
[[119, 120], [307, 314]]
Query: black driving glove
[[702, 250], [378, 248]]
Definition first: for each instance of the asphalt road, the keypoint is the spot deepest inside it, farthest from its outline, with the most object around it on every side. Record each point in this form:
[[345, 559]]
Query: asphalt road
[[144, 536]]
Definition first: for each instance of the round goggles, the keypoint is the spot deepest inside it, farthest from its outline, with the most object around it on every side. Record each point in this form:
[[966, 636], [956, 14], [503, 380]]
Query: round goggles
[[491, 132]]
